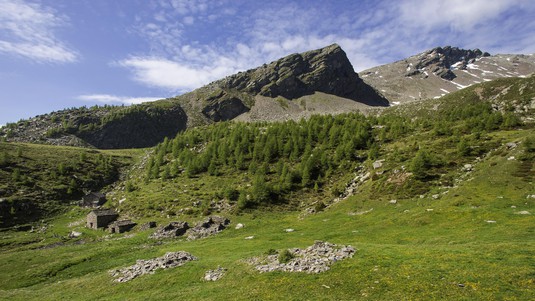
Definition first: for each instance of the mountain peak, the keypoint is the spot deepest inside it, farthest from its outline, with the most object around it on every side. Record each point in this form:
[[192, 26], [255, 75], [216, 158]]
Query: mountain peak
[[326, 70], [440, 60]]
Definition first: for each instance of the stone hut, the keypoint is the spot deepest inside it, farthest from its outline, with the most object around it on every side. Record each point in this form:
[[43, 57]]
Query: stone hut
[[93, 199], [101, 218], [121, 226]]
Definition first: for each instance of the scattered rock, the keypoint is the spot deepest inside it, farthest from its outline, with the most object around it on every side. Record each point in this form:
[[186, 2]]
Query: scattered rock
[[513, 206], [169, 260], [147, 226], [435, 196], [428, 210], [393, 201], [210, 226], [378, 164], [468, 167], [510, 145], [214, 275], [491, 222], [75, 234], [523, 212], [171, 230], [511, 158], [532, 196], [239, 226], [289, 230], [314, 259], [249, 237]]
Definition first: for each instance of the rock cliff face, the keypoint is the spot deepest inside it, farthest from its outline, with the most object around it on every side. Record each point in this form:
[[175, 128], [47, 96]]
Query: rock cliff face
[[326, 72], [440, 61]]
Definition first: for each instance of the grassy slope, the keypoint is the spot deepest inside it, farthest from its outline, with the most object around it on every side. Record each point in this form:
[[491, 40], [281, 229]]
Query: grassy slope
[[47, 172], [404, 250]]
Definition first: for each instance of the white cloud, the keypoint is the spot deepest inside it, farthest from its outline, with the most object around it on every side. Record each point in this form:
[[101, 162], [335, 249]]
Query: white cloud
[[371, 33], [106, 98], [163, 73], [458, 14], [27, 30]]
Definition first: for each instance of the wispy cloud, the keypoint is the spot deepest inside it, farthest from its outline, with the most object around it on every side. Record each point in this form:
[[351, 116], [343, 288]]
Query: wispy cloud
[[371, 33], [106, 98], [27, 30]]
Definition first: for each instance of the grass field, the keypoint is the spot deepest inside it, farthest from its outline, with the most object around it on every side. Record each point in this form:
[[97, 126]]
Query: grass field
[[470, 243]]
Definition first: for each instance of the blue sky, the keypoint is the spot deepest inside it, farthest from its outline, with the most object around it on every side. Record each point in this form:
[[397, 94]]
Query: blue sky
[[56, 54]]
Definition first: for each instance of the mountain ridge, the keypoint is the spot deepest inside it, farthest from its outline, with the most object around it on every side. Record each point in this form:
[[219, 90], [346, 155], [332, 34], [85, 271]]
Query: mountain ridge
[[442, 70], [326, 70]]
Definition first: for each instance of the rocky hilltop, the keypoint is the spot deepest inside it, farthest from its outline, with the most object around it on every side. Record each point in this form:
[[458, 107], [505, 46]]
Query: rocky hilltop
[[326, 70], [315, 82], [442, 70]]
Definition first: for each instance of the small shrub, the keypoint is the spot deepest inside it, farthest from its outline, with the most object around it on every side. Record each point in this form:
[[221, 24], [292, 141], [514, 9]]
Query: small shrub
[[285, 256], [271, 252], [320, 206], [231, 194]]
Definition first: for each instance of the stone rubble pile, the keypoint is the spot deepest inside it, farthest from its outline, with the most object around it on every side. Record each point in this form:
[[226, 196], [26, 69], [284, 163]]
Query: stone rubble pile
[[173, 229], [312, 260], [169, 260], [214, 275], [210, 226]]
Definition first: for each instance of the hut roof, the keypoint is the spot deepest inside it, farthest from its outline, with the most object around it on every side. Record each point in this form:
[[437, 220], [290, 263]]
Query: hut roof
[[104, 212]]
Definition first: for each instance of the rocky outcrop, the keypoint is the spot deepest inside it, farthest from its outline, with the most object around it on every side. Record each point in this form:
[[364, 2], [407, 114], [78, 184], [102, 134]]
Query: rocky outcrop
[[326, 70], [142, 267], [440, 61], [312, 260], [223, 107]]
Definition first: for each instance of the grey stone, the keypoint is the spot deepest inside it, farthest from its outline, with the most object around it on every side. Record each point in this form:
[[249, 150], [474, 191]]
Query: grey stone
[[214, 275], [314, 259], [169, 260]]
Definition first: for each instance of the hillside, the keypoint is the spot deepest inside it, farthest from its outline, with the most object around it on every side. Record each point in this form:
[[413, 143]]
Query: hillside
[[38, 181], [291, 82], [443, 70], [434, 202]]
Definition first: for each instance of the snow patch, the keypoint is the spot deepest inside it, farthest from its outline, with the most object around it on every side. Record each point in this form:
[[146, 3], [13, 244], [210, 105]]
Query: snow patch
[[459, 86]]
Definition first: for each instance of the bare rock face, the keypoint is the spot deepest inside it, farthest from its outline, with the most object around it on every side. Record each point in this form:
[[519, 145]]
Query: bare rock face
[[439, 60], [223, 107], [326, 70]]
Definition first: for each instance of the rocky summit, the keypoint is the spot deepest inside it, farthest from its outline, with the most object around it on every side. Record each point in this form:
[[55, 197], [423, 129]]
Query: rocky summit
[[326, 70], [443, 70]]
